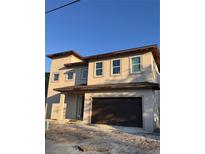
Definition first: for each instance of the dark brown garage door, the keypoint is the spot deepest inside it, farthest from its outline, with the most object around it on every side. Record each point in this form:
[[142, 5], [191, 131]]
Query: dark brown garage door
[[117, 111]]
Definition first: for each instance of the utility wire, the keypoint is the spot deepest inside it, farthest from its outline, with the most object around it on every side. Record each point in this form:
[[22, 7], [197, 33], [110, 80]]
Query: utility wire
[[62, 6]]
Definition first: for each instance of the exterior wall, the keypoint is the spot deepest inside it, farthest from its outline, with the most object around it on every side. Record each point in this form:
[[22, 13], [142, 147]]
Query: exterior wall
[[147, 98], [157, 109], [53, 97], [125, 76], [57, 66], [156, 79], [155, 70], [52, 106], [63, 110], [75, 59]]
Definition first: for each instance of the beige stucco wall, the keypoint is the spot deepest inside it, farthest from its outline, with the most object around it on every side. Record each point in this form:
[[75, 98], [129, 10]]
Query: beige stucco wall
[[125, 76], [155, 70], [52, 106], [69, 107], [57, 66], [53, 97], [147, 103], [156, 79]]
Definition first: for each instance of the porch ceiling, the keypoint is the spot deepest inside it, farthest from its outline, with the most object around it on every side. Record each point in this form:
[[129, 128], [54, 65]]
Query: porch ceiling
[[108, 87]]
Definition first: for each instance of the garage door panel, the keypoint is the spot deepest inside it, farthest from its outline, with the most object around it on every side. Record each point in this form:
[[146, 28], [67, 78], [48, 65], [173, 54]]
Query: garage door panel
[[117, 111]]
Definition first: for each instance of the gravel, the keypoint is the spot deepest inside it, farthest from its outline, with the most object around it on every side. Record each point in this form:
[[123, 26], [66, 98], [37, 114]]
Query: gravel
[[94, 139]]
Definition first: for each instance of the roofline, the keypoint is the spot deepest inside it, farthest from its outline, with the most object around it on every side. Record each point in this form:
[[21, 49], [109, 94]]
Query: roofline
[[107, 87], [139, 50], [125, 51], [63, 54], [83, 63]]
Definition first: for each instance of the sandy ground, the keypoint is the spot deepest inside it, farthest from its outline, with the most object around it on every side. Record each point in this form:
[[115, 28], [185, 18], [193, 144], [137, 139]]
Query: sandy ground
[[94, 139]]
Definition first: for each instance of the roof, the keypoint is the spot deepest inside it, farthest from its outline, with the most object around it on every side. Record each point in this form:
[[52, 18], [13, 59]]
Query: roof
[[106, 87], [138, 50], [83, 63], [122, 52], [63, 54]]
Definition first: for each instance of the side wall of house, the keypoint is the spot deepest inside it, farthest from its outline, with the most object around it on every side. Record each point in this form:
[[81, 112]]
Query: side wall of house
[[155, 71], [156, 79], [147, 103], [157, 109]]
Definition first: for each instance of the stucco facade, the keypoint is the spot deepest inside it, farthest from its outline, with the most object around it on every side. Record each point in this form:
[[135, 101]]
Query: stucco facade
[[125, 76], [63, 106], [53, 97]]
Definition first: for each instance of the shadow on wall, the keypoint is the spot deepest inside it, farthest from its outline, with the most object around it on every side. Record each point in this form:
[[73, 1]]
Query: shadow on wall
[[55, 99], [77, 75]]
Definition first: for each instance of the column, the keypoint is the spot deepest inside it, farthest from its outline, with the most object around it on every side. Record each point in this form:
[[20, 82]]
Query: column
[[61, 106]]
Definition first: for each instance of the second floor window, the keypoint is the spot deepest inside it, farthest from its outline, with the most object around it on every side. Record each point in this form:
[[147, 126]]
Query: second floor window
[[56, 76], [116, 67], [84, 73], [135, 64], [98, 69], [70, 75]]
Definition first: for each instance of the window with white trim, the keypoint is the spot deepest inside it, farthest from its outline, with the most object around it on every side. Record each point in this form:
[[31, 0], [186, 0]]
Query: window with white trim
[[84, 73], [98, 68], [135, 64], [116, 67], [55, 76], [69, 75]]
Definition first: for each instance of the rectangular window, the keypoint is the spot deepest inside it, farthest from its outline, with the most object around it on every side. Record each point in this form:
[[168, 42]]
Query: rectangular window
[[70, 75], [116, 67], [84, 73], [98, 69], [56, 76], [135, 64]]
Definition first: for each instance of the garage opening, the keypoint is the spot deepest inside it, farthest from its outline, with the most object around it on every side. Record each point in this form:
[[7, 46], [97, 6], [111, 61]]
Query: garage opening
[[121, 111]]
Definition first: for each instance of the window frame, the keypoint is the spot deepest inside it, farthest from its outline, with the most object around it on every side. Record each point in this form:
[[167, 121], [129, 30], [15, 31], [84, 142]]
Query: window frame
[[85, 68], [118, 66], [53, 76], [95, 75], [67, 75], [131, 69]]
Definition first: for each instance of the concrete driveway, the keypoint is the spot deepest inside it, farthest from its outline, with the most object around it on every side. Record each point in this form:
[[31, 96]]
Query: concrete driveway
[[88, 139]]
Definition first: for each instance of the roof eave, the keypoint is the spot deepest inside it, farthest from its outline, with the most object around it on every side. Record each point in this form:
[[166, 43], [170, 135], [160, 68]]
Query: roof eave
[[78, 64], [127, 86], [63, 54]]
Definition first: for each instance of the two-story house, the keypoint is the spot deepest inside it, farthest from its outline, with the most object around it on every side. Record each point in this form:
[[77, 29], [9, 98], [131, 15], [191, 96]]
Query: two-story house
[[115, 88]]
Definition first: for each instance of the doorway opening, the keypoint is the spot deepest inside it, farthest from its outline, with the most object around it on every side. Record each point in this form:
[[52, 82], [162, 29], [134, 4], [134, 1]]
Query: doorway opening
[[80, 107]]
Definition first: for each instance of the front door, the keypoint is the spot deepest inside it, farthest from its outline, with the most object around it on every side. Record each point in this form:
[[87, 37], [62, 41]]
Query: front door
[[80, 107]]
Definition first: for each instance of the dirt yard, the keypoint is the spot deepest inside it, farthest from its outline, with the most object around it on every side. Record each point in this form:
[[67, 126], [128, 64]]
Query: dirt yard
[[94, 139]]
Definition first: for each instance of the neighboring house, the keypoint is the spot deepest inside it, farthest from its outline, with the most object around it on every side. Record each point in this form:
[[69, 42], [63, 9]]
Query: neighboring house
[[115, 88]]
